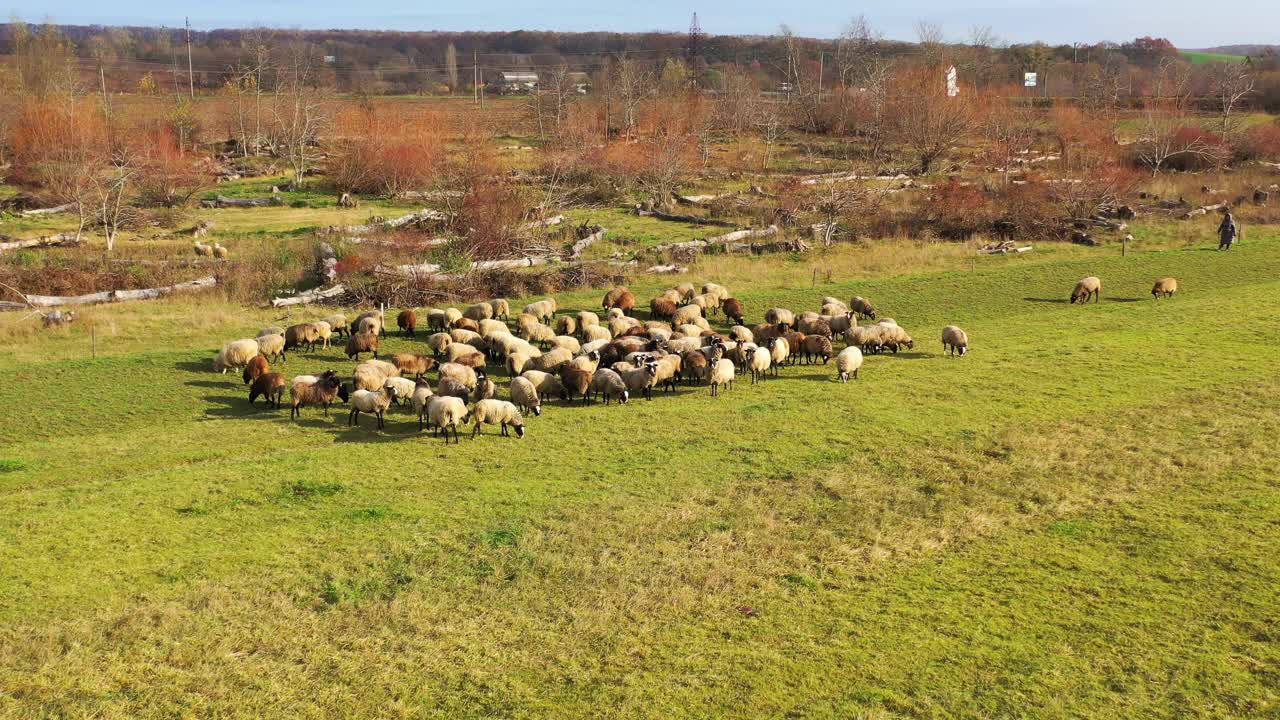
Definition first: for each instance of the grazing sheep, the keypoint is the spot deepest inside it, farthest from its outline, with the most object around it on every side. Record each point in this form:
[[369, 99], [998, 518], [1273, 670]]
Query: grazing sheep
[[863, 308], [404, 387], [661, 307], [694, 365], [816, 346], [452, 315], [811, 323], [668, 372], [491, 327], [303, 334], [485, 388], [566, 325], [525, 396], [611, 298], [437, 320], [955, 340], [272, 346], [592, 333], [220, 252], [467, 324], [609, 383], [235, 355], [586, 319], [497, 412], [686, 291], [458, 351], [362, 342], [370, 376], [840, 323], [576, 382], [370, 402], [781, 317], [1088, 287], [323, 332], [421, 394], [463, 375], [516, 363], [832, 306], [587, 361], [501, 308], [273, 330], [621, 326], [893, 337], [849, 362], [541, 310], [538, 333], [733, 310], [479, 311], [256, 368], [202, 250], [687, 315], [547, 385], [721, 376], [567, 342], [412, 363], [449, 387], [1164, 287], [551, 361], [407, 321], [439, 342], [339, 324], [370, 321], [270, 386], [615, 313], [446, 413], [719, 291], [323, 391], [464, 336]]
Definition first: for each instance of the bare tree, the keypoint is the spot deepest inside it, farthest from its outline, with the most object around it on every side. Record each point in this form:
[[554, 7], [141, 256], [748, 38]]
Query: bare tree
[[931, 40], [299, 111], [244, 85], [551, 100], [631, 84], [1230, 83], [451, 66], [925, 119]]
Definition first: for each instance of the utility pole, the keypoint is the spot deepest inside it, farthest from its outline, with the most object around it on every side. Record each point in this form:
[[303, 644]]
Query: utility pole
[[822, 56], [106, 106], [475, 77], [191, 76]]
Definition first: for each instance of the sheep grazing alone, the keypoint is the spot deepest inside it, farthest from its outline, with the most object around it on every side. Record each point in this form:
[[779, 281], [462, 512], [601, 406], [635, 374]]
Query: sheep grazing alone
[[609, 384], [955, 340], [849, 362], [863, 308], [445, 414], [1164, 287], [576, 381], [407, 321], [322, 391], [362, 342], [733, 310], [272, 346], [270, 387], [235, 355], [721, 376], [525, 395], [413, 364], [256, 368], [1089, 287], [497, 412], [370, 402]]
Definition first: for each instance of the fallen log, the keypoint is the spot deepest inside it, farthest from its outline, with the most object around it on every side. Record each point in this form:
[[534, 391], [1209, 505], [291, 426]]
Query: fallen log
[[47, 211], [585, 242], [667, 269], [310, 296], [1202, 210], [223, 201], [120, 295], [416, 217], [59, 240], [545, 222], [692, 219]]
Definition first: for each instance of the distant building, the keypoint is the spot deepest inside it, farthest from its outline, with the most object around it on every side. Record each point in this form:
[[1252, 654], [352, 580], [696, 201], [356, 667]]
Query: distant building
[[515, 82], [330, 59], [580, 81]]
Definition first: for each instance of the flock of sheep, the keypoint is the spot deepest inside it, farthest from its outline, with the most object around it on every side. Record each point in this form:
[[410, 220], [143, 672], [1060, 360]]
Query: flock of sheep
[[572, 356]]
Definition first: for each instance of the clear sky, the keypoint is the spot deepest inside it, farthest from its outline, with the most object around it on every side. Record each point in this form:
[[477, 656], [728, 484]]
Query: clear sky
[[1187, 24]]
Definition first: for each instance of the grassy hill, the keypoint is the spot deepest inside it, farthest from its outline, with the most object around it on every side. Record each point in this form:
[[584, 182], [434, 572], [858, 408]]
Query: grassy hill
[[1198, 57], [1079, 519]]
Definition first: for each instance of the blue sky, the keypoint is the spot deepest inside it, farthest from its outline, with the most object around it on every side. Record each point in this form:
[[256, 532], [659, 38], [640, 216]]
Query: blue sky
[[1188, 25]]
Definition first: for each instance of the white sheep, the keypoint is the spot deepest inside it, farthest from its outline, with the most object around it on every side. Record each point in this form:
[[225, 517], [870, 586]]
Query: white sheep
[[608, 383], [779, 351], [235, 355], [525, 395], [641, 379], [497, 412], [404, 387], [421, 394], [686, 315], [955, 340], [370, 402], [464, 375], [478, 312], [272, 346], [848, 362], [445, 413], [780, 316], [548, 385], [758, 362], [593, 333], [721, 375], [489, 327], [568, 342]]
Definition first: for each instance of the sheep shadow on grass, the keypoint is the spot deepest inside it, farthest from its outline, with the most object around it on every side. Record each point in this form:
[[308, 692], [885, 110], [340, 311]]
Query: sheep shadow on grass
[[211, 384], [1124, 299], [200, 366]]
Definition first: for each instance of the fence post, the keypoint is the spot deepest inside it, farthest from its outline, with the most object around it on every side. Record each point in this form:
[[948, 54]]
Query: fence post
[[93, 340]]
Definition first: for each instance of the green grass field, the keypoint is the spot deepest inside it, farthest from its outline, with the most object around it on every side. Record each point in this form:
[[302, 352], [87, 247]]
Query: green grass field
[[1201, 58], [1079, 519]]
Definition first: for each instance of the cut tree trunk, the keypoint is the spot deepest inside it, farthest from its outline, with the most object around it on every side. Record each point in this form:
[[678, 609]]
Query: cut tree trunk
[[60, 240], [120, 295], [310, 296]]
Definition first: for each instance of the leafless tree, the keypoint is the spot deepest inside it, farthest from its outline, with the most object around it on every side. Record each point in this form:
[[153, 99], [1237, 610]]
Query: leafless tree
[[550, 102], [631, 84], [299, 110], [244, 85], [931, 41], [451, 66], [1230, 83], [927, 121]]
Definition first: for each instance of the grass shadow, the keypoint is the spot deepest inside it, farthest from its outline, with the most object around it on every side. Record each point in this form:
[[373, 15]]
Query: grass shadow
[[1060, 301], [205, 366], [1125, 299], [211, 384]]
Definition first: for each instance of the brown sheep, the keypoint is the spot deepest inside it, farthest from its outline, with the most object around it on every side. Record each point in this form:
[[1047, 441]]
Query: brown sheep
[[323, 392], [576, 381], [663, 308], [256, 368], [270, 386], [611, 297], [413, 364], [815, 346], [301, 334], [694, 364], [362, 342], [862, 308], [1164, 287], [466, 324], [733, 310], [1089, 287], [407, 321]]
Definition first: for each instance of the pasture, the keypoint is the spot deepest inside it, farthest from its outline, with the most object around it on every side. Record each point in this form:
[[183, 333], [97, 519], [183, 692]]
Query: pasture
[[1077, 519]]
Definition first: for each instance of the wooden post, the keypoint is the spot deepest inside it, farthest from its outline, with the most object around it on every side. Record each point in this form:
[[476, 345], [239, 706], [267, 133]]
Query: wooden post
[[382, 316], [814, 281], [93, 340], [1124, 246]]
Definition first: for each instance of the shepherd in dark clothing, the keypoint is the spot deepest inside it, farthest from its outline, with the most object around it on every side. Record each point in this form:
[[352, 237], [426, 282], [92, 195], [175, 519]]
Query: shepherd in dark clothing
[[1227, 231]]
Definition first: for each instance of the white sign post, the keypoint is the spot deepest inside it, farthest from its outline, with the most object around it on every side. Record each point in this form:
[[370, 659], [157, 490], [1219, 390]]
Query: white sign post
[[953, 86], [1028, 79]]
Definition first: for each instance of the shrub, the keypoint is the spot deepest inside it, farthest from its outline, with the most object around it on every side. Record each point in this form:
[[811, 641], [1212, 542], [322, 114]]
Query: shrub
[[1261, 142], [381, 155]]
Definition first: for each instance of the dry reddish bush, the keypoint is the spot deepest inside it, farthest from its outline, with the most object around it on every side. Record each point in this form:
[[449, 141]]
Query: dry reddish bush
[[168, 176], [1260, 142], [493, 208], [53, 141], [382, 154]]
